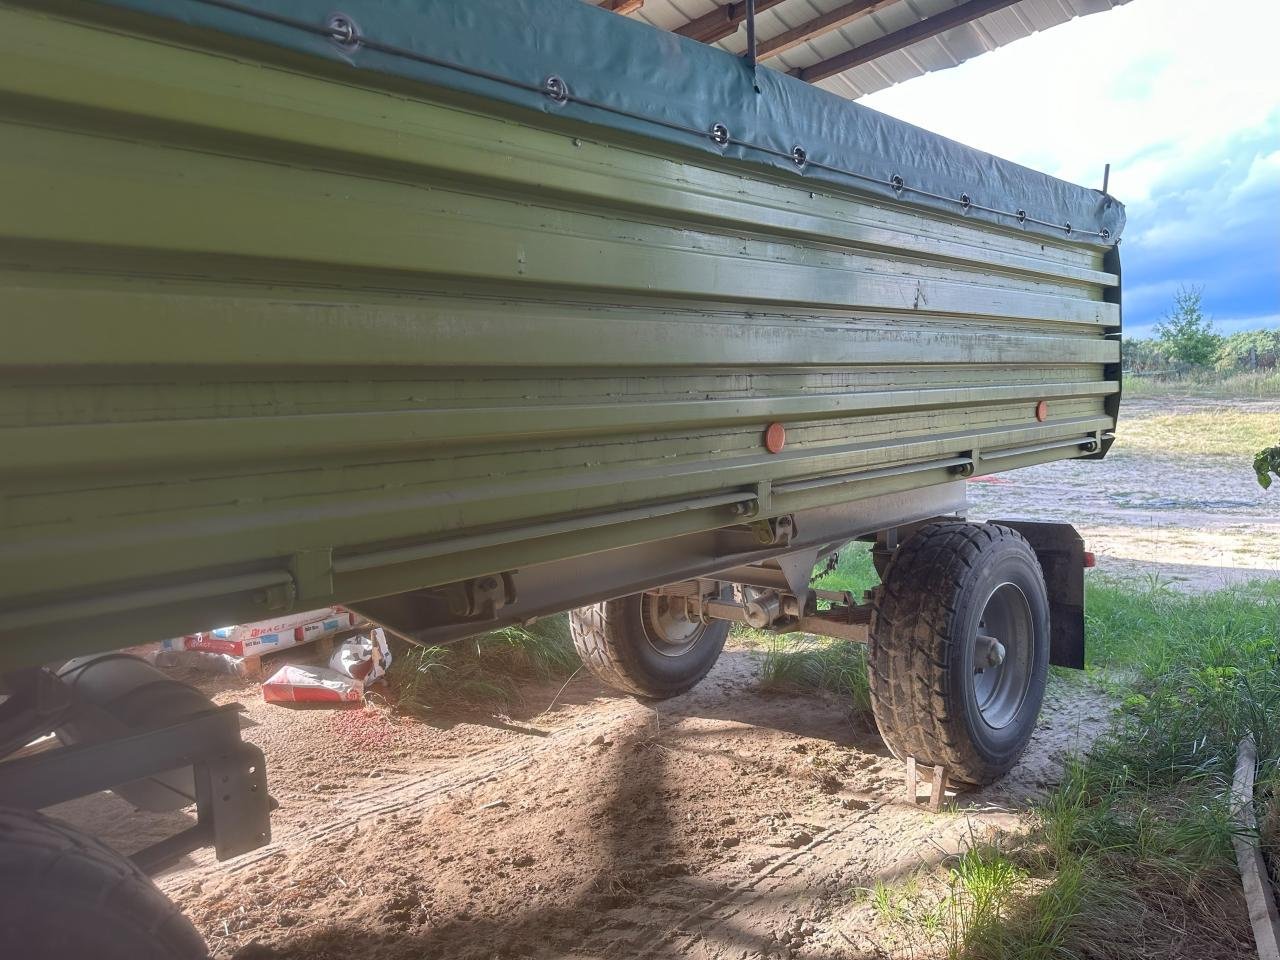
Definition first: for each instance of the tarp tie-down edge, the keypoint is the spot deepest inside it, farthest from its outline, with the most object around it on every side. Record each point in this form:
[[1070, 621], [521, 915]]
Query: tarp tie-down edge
[[340, 37]]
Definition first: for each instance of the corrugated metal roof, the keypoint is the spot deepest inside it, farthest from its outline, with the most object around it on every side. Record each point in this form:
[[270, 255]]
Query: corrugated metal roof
[[947, 49]]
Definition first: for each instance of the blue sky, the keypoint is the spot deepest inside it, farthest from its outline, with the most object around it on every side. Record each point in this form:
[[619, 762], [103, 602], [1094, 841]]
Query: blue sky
[[1182, 97]]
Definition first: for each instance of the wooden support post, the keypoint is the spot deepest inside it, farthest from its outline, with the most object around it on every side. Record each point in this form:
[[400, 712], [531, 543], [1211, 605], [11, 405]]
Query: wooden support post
[[938, 790], [937, 784]]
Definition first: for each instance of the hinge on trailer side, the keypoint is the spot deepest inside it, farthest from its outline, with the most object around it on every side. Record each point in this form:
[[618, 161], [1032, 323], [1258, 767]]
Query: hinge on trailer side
[[313, 573]]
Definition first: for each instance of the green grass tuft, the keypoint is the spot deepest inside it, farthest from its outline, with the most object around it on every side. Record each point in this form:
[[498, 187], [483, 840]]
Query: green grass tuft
[[484, 671], [793, 663]]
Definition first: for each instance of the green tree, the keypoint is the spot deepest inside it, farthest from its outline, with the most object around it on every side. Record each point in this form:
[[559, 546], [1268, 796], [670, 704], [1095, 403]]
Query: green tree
[[1186, 334]]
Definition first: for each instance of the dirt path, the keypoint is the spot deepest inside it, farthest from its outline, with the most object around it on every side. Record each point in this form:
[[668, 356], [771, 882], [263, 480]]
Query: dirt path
[[1197, 522], [720, 824]]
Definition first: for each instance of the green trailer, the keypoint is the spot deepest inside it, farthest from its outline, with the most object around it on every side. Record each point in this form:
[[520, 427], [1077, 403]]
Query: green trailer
[[465, 314]]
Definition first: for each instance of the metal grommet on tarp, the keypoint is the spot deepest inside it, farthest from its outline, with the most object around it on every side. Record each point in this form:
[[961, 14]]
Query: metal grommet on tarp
[[719, 133], [799, 156], [343, 31], [556, 89]]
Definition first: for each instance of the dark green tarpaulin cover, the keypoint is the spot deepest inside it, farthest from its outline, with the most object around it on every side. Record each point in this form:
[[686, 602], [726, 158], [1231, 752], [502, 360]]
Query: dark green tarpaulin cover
[[627, 75]]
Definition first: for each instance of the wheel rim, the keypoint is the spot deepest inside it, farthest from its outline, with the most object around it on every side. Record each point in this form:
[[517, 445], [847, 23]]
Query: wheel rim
[[667, 625], [1003, 647]]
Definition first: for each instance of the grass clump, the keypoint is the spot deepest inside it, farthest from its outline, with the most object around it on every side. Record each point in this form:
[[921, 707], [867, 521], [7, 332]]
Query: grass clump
[[484, 671], [793, 663]]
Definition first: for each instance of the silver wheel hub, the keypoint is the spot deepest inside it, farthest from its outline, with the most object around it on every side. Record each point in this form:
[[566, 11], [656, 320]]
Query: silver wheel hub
[[1003, 654], [668, 627]]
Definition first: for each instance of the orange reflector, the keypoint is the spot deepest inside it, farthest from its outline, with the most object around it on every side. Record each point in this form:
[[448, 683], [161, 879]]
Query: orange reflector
[[1042, 411], [1089, 560], [775, 437]]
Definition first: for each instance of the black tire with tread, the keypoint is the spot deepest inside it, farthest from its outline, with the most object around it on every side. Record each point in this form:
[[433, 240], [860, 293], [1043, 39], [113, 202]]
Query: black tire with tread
[[66, 895], [921, 617], [610, 640]]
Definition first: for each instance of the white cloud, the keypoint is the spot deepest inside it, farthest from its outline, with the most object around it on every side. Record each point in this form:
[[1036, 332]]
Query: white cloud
[[1140, 87], [1182, 97]]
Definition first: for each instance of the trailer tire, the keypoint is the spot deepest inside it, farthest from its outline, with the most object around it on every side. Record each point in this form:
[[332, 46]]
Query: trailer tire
[[937, 692], [64, 894], [637, 645]]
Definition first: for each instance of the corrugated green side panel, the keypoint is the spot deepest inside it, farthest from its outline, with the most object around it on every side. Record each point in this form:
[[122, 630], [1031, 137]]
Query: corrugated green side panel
[[260, 326]]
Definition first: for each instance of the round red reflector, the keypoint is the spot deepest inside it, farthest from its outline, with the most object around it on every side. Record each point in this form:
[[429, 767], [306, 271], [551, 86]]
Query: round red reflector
[[775, 437], [1042, 411]]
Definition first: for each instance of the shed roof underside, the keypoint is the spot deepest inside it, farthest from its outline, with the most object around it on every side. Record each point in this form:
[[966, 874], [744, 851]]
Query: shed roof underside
[[857, 48]]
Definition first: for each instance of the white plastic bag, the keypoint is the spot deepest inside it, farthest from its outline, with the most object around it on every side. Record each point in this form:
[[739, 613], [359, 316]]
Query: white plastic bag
[[364, 658]]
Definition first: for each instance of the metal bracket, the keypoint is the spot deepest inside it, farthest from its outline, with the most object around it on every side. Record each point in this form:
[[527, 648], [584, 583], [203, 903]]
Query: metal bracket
[[764, 496], [775, 532], [797, 567], [312, 573], [36, 704], [232, 804]]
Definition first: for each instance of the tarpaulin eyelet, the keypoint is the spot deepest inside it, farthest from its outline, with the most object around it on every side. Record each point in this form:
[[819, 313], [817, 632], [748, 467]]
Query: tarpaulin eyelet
[[343, 31], [719, 134], [965, 201], [799, 156], [555, 89], [897, 183], [1021, 215]]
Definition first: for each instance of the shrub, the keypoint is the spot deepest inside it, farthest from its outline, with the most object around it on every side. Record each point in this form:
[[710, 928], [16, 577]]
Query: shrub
[[1249, 350]]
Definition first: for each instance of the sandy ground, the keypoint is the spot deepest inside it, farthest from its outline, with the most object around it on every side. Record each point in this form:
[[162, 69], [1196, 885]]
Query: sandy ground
[[724, 824], [1195, 522], [721, 824]]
